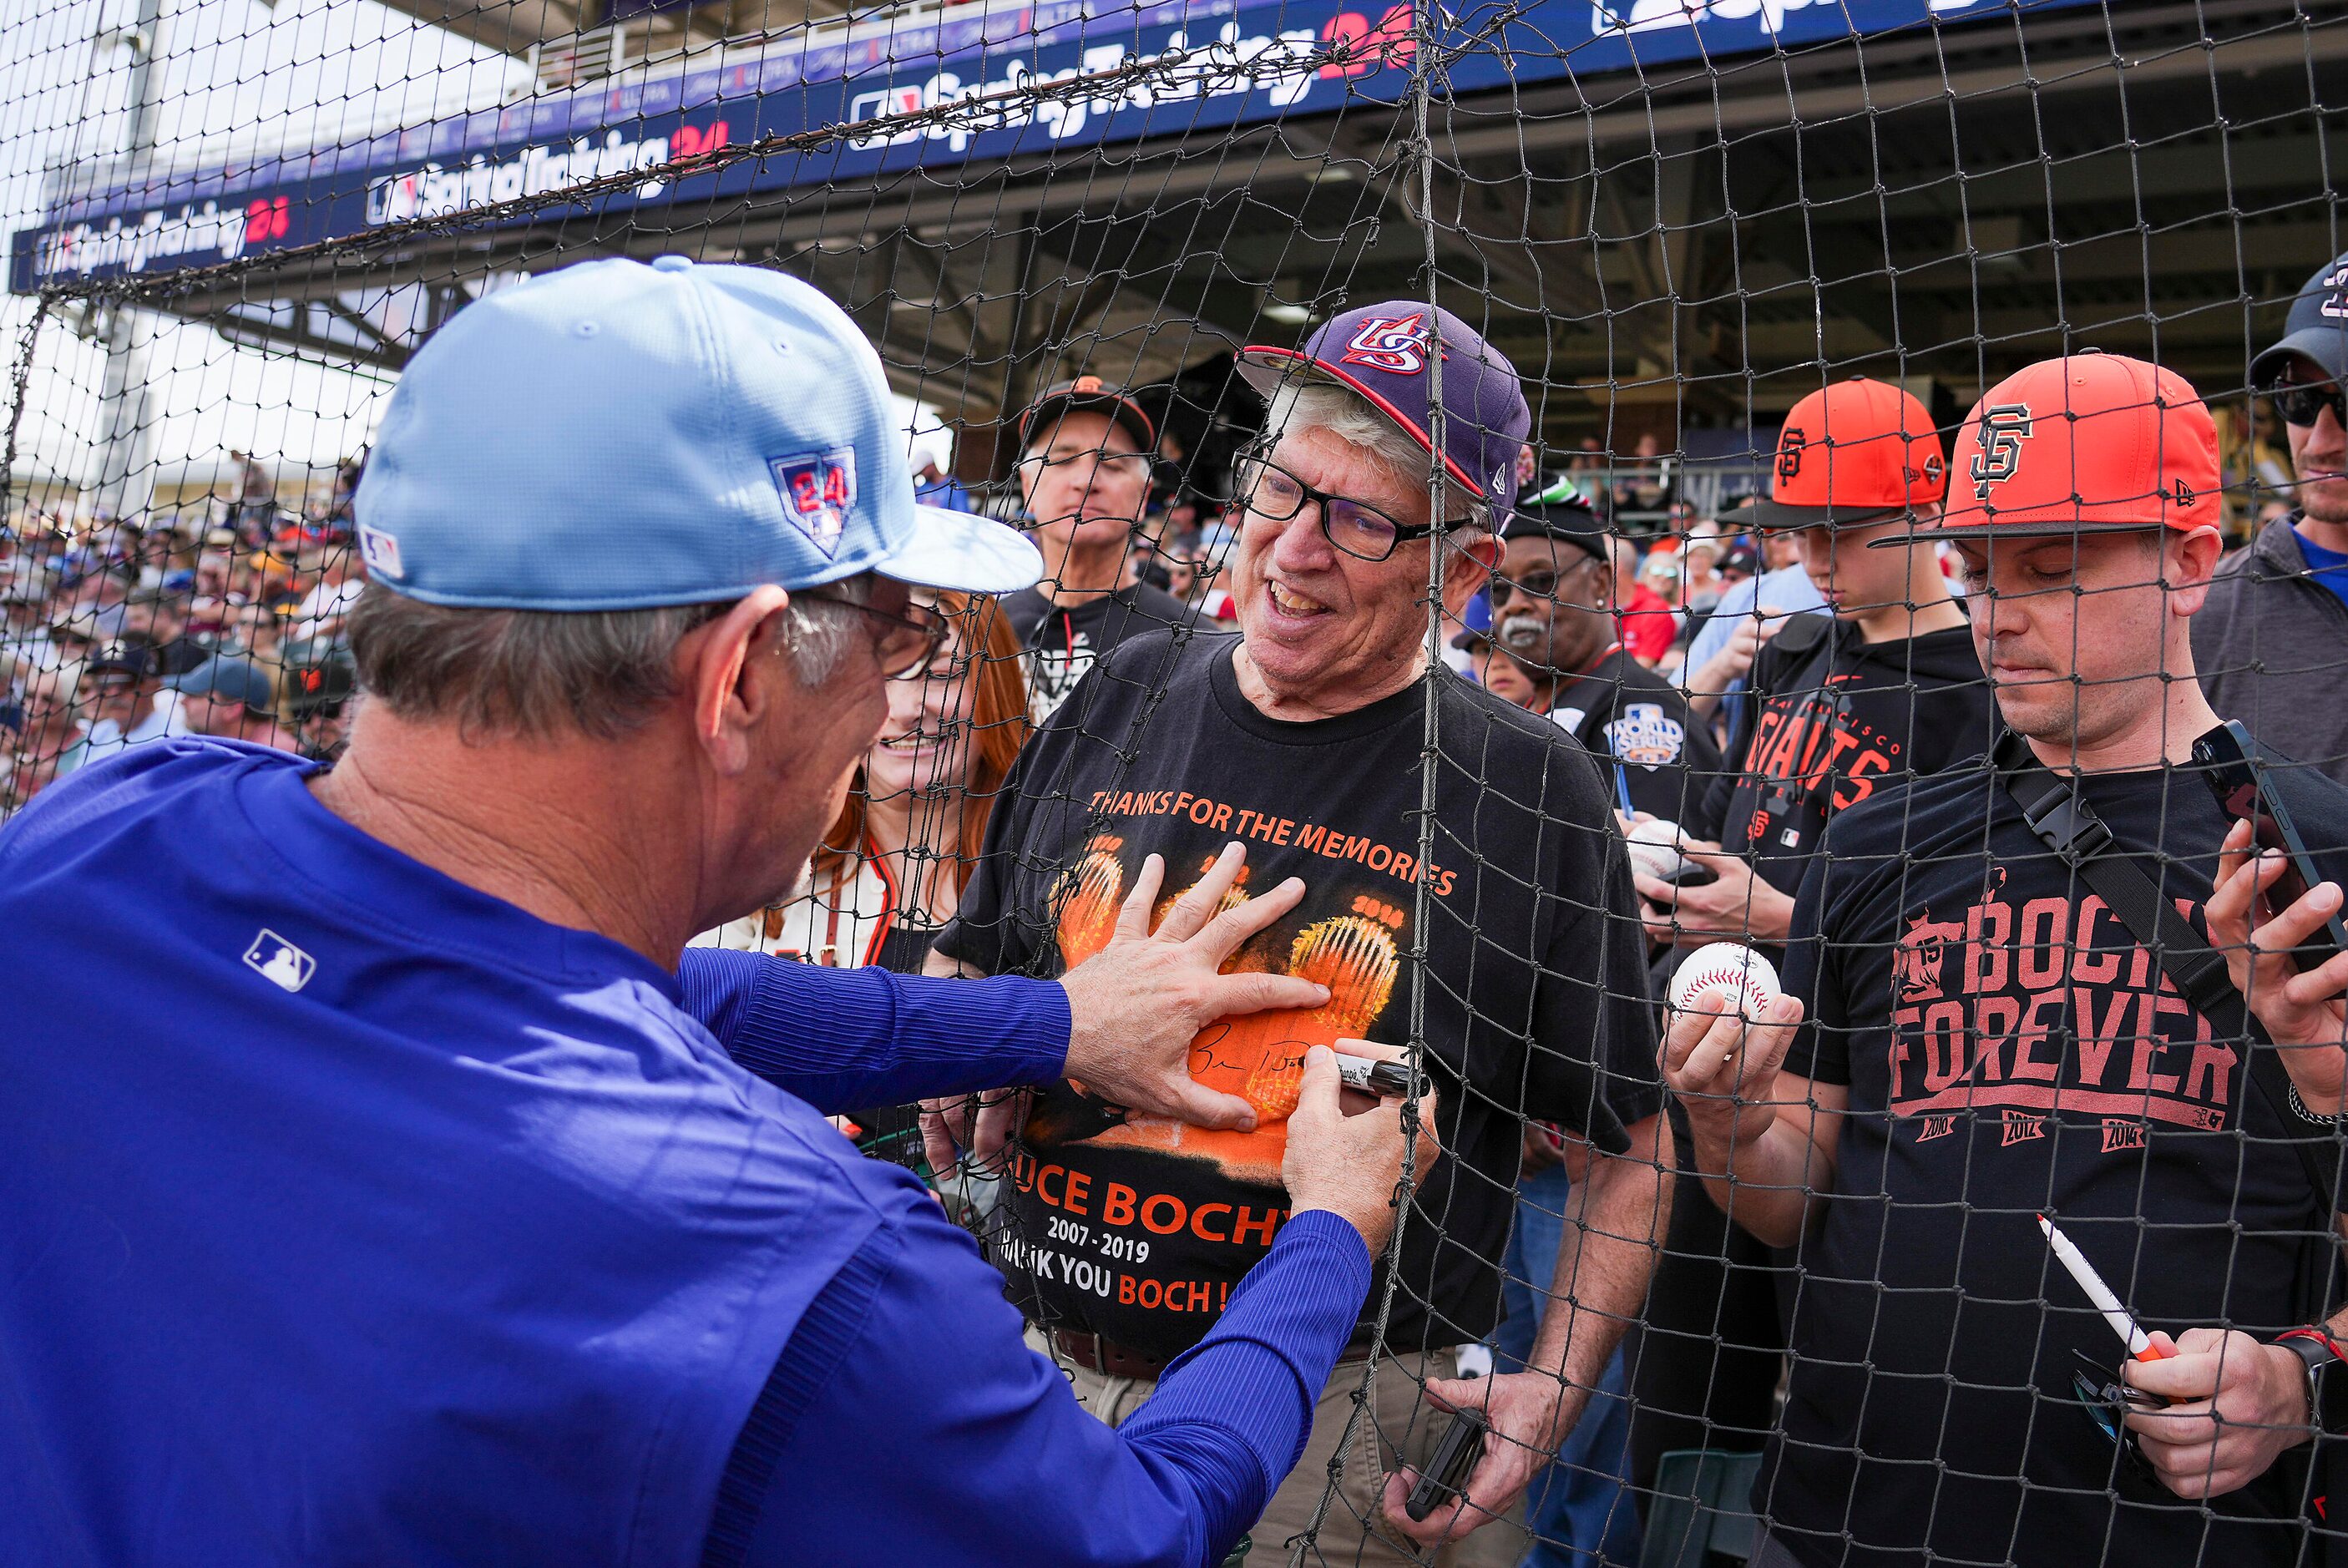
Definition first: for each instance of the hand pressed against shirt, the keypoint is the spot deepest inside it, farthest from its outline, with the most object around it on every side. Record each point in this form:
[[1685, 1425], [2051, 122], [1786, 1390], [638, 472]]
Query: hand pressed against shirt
[[1136, 1005]]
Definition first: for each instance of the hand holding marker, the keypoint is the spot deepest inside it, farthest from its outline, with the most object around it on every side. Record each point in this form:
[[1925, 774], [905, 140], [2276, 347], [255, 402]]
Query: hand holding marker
[[2139, 1343]]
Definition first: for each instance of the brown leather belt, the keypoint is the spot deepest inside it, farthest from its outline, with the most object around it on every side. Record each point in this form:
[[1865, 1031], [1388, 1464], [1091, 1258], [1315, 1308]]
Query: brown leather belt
[[1110, 1359], [1106, 1357]]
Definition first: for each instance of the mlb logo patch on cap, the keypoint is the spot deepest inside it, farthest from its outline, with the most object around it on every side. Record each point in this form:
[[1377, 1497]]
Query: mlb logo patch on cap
[[380, 550], [818, 492]]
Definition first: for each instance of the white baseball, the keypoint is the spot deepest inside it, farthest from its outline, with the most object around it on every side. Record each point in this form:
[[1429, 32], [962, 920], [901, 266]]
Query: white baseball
[[1750, 980], [1655, 848]]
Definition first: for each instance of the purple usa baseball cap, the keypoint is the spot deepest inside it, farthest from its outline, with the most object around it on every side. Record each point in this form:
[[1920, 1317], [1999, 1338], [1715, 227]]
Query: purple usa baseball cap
[[1381, 352]]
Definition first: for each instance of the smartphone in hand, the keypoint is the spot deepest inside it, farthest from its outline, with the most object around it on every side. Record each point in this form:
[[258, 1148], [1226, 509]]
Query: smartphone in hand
[[2231, 769], [1446, 1473]]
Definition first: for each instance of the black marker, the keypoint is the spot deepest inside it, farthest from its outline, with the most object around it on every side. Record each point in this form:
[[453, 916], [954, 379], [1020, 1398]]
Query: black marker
[[1371, 1076]]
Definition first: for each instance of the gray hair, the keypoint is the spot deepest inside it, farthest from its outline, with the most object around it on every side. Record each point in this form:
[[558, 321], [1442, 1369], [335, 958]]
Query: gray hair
[[1300, 405], [601, 673]]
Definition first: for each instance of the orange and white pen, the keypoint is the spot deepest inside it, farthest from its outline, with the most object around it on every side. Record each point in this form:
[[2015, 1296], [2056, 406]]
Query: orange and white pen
[[2139, 1343]]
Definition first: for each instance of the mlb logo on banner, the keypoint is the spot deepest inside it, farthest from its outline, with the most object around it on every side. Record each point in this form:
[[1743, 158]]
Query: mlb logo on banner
[[819, 489]]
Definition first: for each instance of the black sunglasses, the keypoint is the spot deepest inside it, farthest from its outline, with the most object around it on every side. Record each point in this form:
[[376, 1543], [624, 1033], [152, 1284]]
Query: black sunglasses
[[1355, 527], [1540, 582], [2303, 405]]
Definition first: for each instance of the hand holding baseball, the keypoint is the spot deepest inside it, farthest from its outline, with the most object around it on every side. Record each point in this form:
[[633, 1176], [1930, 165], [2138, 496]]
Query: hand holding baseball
[[1729, 1032]]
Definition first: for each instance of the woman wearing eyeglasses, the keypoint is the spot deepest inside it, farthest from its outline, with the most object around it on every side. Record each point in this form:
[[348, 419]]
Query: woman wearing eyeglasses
[[2270, 637], [891, 871]]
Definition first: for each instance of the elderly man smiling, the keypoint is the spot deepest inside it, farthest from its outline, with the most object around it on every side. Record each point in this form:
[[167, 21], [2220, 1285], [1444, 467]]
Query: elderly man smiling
[[1303, 734]]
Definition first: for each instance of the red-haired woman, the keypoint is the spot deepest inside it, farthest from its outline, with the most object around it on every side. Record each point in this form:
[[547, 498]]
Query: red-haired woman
[[892, 868]]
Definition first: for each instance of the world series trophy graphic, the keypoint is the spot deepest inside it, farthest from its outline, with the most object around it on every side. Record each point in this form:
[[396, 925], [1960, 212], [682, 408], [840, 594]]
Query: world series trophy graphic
[[1259, 1057]]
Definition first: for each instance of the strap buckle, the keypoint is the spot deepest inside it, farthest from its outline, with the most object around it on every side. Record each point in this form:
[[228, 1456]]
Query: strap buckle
[[2062, 819]]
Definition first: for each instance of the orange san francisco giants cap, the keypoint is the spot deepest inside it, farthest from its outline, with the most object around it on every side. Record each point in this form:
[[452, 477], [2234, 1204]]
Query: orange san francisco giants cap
[[1857, 451], [2085, 443]]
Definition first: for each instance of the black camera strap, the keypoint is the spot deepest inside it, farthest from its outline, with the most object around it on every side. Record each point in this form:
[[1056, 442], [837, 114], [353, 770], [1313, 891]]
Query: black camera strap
[[2064, 820]]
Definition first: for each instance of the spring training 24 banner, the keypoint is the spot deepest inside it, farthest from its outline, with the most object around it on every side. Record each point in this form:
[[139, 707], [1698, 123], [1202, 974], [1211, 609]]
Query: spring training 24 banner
[[1220, 63]]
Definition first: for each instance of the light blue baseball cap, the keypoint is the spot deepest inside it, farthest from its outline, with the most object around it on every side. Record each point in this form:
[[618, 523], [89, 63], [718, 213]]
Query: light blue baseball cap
[[616, 436]]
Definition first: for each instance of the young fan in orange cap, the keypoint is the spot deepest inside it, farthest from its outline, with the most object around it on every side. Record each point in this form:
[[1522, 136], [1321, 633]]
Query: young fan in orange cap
[[1987, 1039], [1888, 687], [1885, 687]]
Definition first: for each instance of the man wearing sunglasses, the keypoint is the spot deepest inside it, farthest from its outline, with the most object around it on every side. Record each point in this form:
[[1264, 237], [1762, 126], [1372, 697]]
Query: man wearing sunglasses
[[2273, 639], [396, 1188], [1304, 735], [1552, 609]]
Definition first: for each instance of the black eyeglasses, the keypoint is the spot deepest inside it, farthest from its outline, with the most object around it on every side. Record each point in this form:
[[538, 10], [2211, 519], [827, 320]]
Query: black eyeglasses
[[2302, 406], [908, 643], [1355, 527]]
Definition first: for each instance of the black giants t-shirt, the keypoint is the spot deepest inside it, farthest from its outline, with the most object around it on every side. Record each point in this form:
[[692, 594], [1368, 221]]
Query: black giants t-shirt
[[2010, 1049], [1832, 719], [1136, 1227], [1636, 726], [1063, 645]]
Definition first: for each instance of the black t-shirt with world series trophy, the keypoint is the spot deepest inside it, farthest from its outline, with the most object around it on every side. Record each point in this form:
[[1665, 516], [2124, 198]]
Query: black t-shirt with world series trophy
[[2009, 1049], [1063, 645], [1136, 1228], [1636, 727]]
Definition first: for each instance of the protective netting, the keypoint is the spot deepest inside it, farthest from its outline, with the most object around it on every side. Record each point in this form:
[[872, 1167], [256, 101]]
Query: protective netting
[[1690, 1295]]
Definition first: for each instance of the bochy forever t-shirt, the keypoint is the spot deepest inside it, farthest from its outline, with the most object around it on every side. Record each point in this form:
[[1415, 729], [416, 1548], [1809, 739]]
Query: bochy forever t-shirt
[[2010, 1049], [1136, 1227]]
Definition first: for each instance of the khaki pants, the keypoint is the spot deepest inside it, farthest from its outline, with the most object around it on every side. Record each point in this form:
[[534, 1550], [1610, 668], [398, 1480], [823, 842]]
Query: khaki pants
[[1407, 1428]]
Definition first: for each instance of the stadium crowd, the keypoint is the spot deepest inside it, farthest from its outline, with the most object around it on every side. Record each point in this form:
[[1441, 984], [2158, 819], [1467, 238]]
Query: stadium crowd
[[1875, 722]]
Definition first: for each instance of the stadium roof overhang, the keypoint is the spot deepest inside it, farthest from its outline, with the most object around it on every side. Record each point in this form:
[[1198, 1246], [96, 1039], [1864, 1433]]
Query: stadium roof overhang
[[1661, 213]]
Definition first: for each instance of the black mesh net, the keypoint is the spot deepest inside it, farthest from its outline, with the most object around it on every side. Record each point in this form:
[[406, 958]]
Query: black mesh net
[[1534, 759]]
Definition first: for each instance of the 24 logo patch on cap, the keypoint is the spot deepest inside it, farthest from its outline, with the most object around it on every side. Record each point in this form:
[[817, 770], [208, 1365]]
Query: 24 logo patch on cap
[[819, 491]]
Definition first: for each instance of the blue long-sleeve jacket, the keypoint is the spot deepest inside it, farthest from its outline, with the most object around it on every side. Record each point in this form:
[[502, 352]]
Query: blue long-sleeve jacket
[[906, 1420], [356, 1216]]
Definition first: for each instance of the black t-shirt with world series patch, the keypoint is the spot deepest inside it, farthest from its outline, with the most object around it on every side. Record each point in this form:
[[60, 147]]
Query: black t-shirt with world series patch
[[1136, 1228], [1833, 719], [1636, 723], [2010, 1049], [1063, 645]]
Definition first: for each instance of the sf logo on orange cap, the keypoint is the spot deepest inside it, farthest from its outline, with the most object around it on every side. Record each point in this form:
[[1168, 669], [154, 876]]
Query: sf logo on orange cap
[[1789, 452], [2002, 431]]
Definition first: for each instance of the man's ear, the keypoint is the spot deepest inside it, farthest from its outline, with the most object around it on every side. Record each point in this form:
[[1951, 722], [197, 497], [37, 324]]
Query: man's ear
[[729, 668], [2188, 562], [1471, 566]]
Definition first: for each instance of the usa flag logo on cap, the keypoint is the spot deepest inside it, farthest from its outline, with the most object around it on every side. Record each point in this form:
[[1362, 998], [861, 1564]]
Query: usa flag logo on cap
[[1398, 344], [819, 489]]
